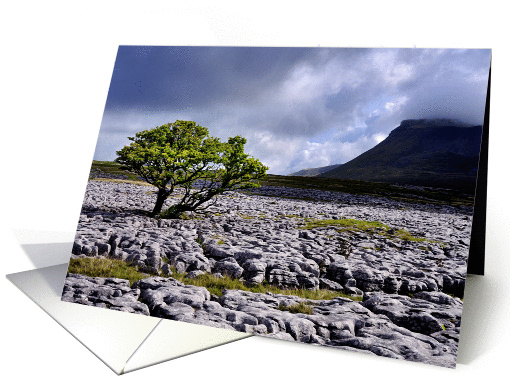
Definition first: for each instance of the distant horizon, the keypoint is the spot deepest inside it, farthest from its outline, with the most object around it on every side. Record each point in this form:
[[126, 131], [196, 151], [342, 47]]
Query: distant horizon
[[318, 106], [455, 121]]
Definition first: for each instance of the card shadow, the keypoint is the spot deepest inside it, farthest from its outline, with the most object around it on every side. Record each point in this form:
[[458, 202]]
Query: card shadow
[[38, 254], [479, 302]]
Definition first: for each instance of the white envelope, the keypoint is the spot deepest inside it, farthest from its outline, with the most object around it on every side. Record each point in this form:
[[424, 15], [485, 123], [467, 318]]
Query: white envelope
[[124, 342]]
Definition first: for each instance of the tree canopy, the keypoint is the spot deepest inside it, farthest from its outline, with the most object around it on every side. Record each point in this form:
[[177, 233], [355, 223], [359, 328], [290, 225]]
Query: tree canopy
[[183, 155]]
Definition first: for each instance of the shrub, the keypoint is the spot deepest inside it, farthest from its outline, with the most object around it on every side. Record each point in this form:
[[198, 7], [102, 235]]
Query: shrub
[[182, 154]]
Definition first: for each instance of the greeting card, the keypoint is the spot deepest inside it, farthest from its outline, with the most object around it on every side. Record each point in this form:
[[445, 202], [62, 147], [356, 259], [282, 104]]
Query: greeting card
[[320, 195]]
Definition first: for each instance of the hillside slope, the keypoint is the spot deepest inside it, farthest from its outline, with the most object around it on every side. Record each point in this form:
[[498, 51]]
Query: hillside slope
[[315, 171], [434, 153]]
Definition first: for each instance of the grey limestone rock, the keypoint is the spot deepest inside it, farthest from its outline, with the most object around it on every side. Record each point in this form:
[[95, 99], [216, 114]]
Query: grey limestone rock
[[106, 293], [194, 274], [261, 239], [325, 283], [228, 267]]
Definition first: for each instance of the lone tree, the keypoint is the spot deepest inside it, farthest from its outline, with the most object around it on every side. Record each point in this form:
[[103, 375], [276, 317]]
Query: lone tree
[[182, 154]]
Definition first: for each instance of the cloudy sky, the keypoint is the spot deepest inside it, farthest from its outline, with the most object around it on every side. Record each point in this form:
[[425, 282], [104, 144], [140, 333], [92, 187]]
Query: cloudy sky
[[297, 107]]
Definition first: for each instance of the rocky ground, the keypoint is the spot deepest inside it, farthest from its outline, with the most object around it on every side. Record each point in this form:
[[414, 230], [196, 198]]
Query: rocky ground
[[410, 285]]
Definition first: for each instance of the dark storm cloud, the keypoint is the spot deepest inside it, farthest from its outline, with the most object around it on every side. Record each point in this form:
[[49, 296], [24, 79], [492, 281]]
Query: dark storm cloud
[[161, 78], [297, 107]]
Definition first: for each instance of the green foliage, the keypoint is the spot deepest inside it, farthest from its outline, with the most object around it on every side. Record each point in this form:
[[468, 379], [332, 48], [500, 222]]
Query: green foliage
[[301, 307], [182, 154], [161, 155]]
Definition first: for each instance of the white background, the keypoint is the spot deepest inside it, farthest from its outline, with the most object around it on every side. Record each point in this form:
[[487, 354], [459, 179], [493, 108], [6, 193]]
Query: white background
[[56, 63]]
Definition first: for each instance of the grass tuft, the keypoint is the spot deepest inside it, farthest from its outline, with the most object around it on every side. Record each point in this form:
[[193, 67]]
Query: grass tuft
[[216, 285], [101, 267], [361, 225], [301, 307], [402, 234], [367, 226]]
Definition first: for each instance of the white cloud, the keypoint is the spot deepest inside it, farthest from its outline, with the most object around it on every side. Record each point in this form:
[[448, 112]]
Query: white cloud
[[379, 137], [396, 104]]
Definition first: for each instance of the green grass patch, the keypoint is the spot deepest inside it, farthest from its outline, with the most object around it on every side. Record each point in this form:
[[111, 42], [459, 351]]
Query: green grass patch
[[216, 285], [101, 267], [361, 225], [343, 225], [301, 307], [137, 182], [219, 239], [113, 168], [402, 234]]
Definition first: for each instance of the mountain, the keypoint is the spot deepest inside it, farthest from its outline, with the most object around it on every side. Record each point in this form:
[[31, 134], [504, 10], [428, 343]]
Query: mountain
[[422, 152], [314, 171]]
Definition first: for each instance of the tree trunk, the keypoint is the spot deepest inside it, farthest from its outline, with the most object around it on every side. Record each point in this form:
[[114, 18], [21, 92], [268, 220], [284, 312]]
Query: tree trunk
[[162, 195]]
